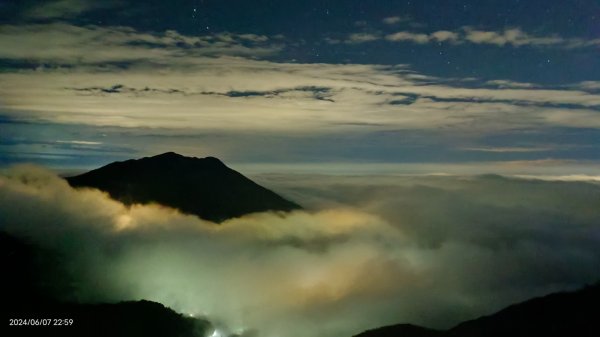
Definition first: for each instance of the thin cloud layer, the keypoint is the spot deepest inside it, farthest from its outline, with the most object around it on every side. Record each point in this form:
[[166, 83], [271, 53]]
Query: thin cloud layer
[[61, 9], [375, 250], [509, 37], [238, 84], [63, 44], [120, 77]]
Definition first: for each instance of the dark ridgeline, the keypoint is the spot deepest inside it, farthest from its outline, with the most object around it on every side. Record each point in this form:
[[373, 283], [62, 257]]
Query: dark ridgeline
[[201, 186], [566, 314], [401, 330]]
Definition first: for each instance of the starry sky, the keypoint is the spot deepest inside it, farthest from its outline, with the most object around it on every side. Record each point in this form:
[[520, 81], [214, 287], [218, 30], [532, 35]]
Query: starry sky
[[381, 86]]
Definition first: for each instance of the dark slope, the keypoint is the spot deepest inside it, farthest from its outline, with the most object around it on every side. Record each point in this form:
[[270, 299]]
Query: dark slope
[[124, 319], [23, 280], [572, 314], [400, 330], [201, 186], [32, 281]]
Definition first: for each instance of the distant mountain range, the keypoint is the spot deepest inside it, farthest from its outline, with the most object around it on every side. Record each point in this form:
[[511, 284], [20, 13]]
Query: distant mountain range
[[566, 314], [201, 186]]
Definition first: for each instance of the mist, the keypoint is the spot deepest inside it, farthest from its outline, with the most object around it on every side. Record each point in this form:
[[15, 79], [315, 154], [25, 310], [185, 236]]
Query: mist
[[367, 251]]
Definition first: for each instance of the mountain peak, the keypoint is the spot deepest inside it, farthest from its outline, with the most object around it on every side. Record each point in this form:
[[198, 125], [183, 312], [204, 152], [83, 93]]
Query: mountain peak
[[168, 155], [214, 160], [205, 187], [174, 156]]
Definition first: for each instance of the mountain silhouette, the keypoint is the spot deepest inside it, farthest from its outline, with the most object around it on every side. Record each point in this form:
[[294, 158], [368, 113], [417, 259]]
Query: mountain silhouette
[[573, 314], [201, 186]]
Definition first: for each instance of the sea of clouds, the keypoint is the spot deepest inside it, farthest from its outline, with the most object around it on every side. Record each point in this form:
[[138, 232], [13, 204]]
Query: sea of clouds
[[367, 250]]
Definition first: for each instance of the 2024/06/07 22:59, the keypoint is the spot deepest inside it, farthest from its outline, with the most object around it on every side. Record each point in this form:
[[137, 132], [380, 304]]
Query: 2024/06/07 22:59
[[40, 321]]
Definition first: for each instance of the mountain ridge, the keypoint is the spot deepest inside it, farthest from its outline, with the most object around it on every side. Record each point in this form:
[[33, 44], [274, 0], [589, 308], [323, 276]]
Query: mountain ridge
[[205, 187]]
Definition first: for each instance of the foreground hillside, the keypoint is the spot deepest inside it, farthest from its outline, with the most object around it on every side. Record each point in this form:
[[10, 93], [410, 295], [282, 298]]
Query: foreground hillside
[[30, 299], [572, 314]]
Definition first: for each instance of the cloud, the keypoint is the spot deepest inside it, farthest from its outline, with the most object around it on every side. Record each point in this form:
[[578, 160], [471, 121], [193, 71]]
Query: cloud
[[361, 38], [177, 85], [65, 44], [502, 84], [226, 93], [392, 20], [445, 36], [408, 36], [78, 142], [587, 85], [514, 37], [508, 149], [253, 37], [63, 9], [374, 250]]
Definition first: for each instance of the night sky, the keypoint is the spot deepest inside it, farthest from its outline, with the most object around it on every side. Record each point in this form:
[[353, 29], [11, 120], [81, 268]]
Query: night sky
[[452, 83], [446, 154]]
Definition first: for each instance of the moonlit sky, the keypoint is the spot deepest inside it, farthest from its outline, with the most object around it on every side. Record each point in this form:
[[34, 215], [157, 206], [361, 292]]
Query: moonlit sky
[[346, 86]]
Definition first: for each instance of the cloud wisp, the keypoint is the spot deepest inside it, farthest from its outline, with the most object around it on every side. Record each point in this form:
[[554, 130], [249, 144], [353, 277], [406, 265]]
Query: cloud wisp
[[393, 20], [374, 250], [61, 9], [509, 37], [63, 44]]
